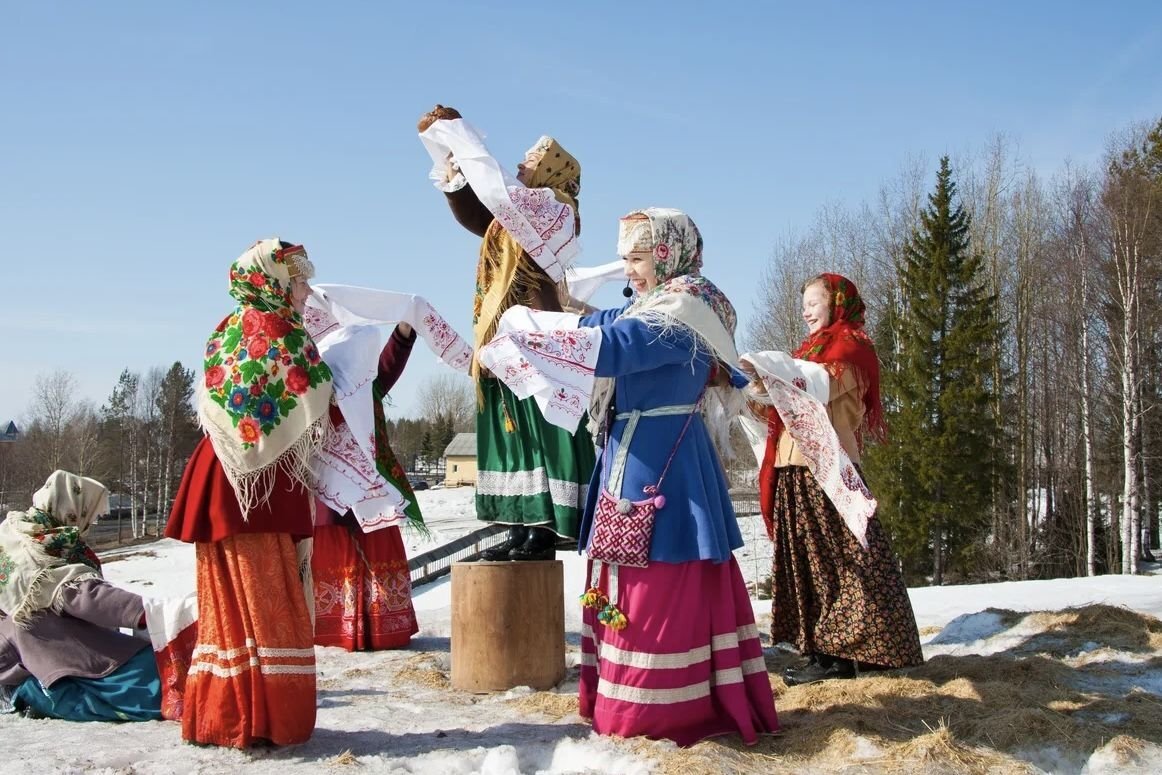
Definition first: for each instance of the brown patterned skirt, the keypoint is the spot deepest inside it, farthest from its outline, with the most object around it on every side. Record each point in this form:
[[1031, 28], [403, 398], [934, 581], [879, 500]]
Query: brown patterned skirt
[[830, 595]]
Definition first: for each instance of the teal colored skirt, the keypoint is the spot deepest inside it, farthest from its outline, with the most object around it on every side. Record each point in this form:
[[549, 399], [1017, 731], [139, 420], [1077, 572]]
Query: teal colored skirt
[[529, 472], [132, 692]]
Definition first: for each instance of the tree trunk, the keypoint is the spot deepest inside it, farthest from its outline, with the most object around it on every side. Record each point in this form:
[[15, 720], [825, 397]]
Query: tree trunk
[[1145, 512], [168, 481], [1087, 433], [938, 540], [1139, 433], [1129, 455], [134, 474]]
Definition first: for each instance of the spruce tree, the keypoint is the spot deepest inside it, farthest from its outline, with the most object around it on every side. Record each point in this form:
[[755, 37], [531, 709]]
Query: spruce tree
[[427, 450], [935, 478]]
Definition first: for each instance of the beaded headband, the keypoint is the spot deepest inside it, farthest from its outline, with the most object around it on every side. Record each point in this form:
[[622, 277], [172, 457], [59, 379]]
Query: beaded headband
[[296, 261]]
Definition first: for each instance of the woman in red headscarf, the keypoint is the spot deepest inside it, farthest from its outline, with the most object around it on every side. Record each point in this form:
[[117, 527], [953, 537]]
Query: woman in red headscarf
[[843, 606]]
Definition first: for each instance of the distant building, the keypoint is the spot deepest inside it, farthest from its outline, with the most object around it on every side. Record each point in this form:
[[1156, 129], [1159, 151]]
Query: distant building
[[9, 431], [460, 461]]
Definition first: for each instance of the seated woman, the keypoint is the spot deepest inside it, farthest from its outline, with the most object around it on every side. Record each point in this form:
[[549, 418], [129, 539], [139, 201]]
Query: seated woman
[[669, 647], [61, 654]]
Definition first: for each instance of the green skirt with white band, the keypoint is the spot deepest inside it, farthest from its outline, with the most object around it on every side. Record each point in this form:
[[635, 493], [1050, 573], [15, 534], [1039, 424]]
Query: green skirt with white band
[[528, 471]]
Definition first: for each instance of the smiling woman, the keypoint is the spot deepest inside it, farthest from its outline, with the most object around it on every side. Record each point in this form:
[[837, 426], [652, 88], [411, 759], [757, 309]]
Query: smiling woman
[[668, 641], [659, 527], [816, 304], [637, 252], [837, 593]]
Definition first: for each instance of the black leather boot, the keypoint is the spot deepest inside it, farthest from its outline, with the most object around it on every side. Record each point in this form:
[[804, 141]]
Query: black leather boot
[[807, 661], [824, 669], [517, 535], [541, 545]]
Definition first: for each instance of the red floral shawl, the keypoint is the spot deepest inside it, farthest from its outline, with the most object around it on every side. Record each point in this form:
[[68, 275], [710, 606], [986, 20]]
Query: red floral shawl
[[838, 345]]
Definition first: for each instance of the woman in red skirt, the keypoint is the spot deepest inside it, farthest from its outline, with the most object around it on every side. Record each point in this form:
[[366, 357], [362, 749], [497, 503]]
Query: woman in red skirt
[[246, 504], [362, 586]]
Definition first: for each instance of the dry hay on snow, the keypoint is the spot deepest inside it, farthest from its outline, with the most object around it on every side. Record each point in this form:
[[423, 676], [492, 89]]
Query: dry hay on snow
[[551, 704], [346, 758], [1061, 689], [424, 670], [964, 714], [1110, 626]]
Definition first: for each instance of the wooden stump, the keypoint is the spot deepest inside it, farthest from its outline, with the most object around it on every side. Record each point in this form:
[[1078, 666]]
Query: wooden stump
[[508, 625]]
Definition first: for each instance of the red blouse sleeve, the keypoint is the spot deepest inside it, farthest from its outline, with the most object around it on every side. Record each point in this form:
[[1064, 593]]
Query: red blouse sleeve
[[393, 358]]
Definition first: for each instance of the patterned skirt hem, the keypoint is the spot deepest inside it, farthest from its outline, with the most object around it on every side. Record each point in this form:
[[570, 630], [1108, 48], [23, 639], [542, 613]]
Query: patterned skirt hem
[[832, 596]]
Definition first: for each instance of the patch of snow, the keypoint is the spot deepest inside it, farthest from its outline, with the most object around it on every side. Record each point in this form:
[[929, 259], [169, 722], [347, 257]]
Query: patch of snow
[[1108, 761]]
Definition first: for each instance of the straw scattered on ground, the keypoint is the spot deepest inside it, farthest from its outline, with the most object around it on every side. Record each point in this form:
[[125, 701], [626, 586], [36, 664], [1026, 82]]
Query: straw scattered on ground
[[423, 669], [551, 704], [1039, 704], [346, 758]]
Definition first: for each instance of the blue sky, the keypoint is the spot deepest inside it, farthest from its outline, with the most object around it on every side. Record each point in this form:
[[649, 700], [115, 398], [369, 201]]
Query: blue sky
[[144, 145]]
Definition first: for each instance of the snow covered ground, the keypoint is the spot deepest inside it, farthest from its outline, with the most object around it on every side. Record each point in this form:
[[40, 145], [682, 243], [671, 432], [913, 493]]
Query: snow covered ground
[[394, 712], [448, 513]]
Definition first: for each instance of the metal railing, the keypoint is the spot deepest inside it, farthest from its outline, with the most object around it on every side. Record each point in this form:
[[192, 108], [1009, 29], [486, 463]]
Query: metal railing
[[437, 562], [745, 504]]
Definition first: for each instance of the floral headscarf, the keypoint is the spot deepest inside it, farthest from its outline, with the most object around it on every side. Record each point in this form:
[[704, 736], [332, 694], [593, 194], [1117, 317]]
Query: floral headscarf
[[669, 234], [266, 391], [42, 550], [682, 299], [676, 244]]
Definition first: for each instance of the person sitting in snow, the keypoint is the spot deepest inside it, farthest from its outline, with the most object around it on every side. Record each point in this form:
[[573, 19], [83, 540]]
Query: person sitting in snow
[[61, 653]]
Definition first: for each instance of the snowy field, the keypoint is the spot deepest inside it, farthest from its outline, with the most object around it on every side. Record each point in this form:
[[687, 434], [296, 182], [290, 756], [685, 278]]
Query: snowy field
[[1015, 683]]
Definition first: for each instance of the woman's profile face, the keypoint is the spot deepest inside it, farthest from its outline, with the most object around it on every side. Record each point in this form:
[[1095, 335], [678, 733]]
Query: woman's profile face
[[816, 307], [524, 170], [300, 290]]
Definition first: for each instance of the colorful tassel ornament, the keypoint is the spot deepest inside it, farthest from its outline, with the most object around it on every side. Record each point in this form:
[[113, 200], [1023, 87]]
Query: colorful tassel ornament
[[612, 617], [594, 598]]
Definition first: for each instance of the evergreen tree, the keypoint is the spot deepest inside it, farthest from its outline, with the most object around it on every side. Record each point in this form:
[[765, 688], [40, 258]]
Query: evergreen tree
[[935, 479], [117, 419], [447, 432], [178, 430], [427, 448]]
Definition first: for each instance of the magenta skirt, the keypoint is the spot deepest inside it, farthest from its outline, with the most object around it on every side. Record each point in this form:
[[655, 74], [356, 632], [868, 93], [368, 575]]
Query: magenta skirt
[[689, 664]]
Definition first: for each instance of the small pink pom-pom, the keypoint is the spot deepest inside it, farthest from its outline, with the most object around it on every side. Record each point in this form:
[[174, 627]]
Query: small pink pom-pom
[[660, 502]]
